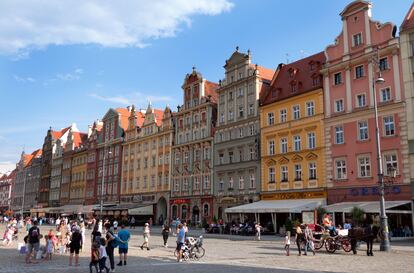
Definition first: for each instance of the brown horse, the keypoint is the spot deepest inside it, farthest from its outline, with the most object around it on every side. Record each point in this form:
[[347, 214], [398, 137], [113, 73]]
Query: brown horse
[[365, 234]]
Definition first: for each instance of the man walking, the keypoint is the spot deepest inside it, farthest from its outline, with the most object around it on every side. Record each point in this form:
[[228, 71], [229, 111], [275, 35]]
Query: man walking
[[33, 242], [180, 242], [309, 240], [124, 237]]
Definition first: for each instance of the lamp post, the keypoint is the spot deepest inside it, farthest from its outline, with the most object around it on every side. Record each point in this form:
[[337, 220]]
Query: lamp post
[[103, 180], [24, 192], [385, 241]]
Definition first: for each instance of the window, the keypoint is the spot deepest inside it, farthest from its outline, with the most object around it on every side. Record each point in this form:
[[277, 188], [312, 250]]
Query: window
[[297, 144], [361, 100], [310, 108], [364, 166], [293, 88], [230, 95], [240, 93], [206, 210], [283, 145], [252, 181], [241, 183], [270, 118], [311, 140], [230, 157], [357, 39], [389, 127], [284, 173], [221, 117], [338, 78], [340, 169], [339, 105], [383, 64], [271, 146], [241, 111], [240, 132], [271, 175], [391, 163], [362, 130], [231, 183], [230, 115], [221, 184], [241, 157], [298, 172], [252, 153], [312, 170], [206, 182], [385, 94], [339, 134], [359, 71], [221, 159], [296, 112], [252, 130], [185, 184], [251, 109], [283, 115], [196, 184]]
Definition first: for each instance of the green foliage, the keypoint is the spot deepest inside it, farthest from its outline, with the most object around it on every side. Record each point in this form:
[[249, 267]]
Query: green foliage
[[321, 211], [215, 219], [289, 225], [204, 223], [358, 215]]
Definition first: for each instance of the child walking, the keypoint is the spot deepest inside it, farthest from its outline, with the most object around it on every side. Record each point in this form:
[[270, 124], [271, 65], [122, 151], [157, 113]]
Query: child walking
[[102, 257], [49, 247], [287, 243], [146, 237], [94, 257]]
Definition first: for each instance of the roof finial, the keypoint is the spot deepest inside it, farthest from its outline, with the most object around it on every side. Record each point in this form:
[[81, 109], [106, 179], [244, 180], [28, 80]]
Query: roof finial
[[194, 68], [249, 52], [237, 48]]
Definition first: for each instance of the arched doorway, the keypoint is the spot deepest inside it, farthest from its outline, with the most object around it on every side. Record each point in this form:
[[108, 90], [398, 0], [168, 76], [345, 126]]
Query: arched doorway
[[161, 211], [174, 212], [195, 219]]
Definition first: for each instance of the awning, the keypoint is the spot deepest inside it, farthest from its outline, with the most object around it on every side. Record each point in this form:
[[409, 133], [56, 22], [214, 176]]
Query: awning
[[368, 207], [269, 206], [144, 210]]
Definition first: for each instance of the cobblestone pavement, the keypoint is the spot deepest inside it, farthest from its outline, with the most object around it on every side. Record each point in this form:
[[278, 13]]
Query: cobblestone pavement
[[224, 253]]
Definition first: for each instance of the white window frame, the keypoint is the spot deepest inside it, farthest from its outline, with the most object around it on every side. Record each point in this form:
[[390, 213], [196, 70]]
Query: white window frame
[[363, 130], [364, 166], [387, 91], [284, 173], [298, 172], [336, 110], [312, 170], [270, 118], [388, 124], [361, 98], [311, 140], [357, 42], [296, 112], [310, 108], [339, 133], [342, 167], [390, 159], [283, 145], [297, 145], [271, 147], [272, 174], [283, 115]]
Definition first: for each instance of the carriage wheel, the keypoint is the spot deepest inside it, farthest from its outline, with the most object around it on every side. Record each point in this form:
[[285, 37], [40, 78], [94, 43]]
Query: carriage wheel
[[199, 252], [318, 244], [330, 245], [346, 245]]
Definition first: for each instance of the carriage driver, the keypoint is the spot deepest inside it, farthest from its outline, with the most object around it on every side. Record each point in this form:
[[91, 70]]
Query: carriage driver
[[327, 223]]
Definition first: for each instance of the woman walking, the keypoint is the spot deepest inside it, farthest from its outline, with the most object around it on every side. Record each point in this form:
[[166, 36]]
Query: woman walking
[[165, 233], [146, 237], [299, 238], [75, 245], [109, 245]]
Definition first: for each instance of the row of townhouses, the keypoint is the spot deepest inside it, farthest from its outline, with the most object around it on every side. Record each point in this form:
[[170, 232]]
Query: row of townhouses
[[304, 131]]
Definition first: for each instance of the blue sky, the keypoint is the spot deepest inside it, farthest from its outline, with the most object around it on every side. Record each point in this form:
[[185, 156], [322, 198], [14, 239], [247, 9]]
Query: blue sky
[[76, 61]]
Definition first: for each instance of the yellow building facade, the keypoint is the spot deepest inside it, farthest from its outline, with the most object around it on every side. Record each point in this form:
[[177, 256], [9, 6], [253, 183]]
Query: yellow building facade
[[292, 133], [78, 174]]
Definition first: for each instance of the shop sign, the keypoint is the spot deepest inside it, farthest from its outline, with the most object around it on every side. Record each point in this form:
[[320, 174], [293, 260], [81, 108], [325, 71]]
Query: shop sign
[[294, 195], [179, 201], [137, 198], [148, 198], [366, 191]]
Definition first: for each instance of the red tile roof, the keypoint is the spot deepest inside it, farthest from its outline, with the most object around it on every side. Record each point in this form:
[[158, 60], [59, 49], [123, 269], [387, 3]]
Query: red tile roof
[[79, 139], [264, 73], [29, 157], [159, 114], [295, 78], [140, 118], [124, 115], [59, 134], [210, 88], [408, 19]]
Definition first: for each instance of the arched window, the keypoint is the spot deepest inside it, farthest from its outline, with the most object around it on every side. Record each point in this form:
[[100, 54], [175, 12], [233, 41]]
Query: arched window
[[184, 212], [206, 209], [174, 212]]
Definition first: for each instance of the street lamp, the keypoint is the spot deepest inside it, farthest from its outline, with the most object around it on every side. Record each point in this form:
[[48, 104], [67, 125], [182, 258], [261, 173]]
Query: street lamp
[[24, 192], [103, 180], [385, 241]]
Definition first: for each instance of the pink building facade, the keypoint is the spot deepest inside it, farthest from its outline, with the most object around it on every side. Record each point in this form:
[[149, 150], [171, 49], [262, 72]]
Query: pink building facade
[[349, 77]]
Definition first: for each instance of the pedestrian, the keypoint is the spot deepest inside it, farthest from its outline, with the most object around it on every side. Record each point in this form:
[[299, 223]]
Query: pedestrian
[[33, 242], [96, 235], [146, 237], [132, 222], [75, 245], [287, 243], [115, 224], [102, 256], [185, 227], [165, 233], [110, 245], [309, 240], [94, 257], [100, 226], [180, 242], [258, 228], [82, 230], [123, 236], [299, 238], [347, 224], [49, 247]]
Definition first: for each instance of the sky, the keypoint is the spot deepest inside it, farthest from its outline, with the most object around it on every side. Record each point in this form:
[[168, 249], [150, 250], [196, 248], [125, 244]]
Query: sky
[[64, 62]]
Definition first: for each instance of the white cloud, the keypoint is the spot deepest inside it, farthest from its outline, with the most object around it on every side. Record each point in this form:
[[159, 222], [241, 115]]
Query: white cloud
[[34, 24], [7, 166], [136, 98], [23, 79], [70, 76]]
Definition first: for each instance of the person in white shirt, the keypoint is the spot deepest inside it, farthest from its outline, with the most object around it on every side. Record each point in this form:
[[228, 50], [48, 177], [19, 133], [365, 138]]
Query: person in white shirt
[[258, 230], [115, 224], [102, 256]]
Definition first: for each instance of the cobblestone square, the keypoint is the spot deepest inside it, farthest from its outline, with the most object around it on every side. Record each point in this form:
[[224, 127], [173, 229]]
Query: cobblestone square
[[224, 253]]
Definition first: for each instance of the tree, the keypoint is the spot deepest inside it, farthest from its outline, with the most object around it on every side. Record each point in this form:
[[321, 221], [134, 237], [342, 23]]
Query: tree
[[358, 215], [321, 211]]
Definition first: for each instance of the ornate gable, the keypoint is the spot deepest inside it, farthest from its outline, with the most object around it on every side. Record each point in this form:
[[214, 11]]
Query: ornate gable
[[311, 156], [283, 160], [271, 162], [297, 158]]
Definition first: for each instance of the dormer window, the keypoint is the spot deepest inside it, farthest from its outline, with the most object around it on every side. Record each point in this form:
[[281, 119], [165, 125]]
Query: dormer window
[[293, 87], [315, 81], [312, 66], [357, 39]]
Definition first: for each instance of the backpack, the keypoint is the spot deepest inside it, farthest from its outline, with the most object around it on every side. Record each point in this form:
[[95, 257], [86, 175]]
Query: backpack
[[34, 233]]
